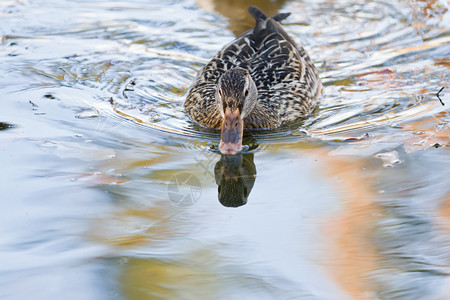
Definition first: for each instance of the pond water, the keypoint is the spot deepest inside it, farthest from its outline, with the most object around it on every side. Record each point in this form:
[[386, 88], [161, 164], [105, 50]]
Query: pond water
[[108, 191]]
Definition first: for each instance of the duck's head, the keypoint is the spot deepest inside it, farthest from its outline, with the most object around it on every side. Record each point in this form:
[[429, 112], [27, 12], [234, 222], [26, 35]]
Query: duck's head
[[236, 96]]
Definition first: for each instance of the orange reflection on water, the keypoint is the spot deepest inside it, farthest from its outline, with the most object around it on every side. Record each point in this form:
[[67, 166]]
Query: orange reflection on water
[[237, 14], [445, 210], [427, 133], [354, 256]]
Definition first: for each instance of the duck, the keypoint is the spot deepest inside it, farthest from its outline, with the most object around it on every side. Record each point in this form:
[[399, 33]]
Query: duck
[[260, 80]]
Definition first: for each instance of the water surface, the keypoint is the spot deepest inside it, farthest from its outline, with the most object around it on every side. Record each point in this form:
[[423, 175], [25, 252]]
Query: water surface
[[109, 191]]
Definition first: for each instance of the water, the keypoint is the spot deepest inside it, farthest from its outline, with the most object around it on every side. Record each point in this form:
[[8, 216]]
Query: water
[[108, 191]]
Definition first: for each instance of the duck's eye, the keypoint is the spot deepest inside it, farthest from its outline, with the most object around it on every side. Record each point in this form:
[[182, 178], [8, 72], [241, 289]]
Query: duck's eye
[[246, 93]]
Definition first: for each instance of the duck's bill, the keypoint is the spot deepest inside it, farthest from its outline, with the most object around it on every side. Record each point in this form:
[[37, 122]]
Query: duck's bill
[[232, 132]]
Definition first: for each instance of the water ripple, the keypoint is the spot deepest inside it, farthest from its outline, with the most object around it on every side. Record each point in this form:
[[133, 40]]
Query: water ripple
[[383, 71]]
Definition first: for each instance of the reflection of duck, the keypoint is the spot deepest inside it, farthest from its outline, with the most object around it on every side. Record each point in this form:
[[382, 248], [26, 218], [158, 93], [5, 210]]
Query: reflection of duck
[[260, 80], [235, 176]]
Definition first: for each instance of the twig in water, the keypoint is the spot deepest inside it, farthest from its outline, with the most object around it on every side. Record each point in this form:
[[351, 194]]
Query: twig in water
[[437, 95]]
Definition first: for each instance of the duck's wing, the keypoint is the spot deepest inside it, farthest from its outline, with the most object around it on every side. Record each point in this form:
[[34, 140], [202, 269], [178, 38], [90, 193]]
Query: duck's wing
[[287, 80]]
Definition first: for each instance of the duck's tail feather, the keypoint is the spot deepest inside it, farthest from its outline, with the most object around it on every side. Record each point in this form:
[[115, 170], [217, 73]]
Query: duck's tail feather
[[259, 14], [281, 16], [266, 26], [256, 13]]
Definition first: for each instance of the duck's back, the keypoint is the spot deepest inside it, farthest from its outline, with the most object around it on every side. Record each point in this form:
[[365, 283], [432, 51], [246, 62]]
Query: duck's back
[[287, 80]]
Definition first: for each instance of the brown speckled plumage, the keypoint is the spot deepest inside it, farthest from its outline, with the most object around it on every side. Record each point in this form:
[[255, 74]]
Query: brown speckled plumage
[[287, 81]]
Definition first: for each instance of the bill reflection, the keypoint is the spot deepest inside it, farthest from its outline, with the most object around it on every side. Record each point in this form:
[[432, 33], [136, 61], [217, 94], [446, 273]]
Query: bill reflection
[[235, 176]]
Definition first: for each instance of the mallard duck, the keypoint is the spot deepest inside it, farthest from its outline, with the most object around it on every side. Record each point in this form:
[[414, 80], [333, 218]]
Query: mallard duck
[[262, 79]]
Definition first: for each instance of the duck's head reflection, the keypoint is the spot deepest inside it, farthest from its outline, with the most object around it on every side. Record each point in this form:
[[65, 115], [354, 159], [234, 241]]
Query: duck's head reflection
[[235, 176]]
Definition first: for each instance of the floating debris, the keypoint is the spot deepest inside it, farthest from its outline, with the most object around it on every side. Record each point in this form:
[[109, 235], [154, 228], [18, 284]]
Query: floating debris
[[360, 138], [437, 95], [4, 126], [49, 96], [33, 104], [389, 158], [89, 113]]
